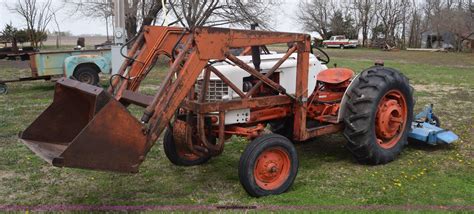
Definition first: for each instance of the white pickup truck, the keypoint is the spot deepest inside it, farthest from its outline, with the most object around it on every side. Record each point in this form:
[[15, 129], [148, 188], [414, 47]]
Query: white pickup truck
[[340, 42]]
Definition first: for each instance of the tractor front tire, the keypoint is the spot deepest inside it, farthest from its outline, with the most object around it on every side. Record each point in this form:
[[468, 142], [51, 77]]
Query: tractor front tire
[[180, 156], [378, 115], [87, 74], [268, 166]]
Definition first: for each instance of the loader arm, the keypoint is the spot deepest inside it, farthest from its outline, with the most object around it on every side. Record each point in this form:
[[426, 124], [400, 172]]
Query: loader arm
[[198, 48]]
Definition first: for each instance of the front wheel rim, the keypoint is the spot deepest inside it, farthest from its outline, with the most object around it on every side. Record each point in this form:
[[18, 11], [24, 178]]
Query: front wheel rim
[[272, 168], [86, 78], [391, 119]]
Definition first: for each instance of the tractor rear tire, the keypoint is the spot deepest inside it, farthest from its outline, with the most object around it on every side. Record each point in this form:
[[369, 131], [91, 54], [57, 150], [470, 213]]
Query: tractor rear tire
[[87, 74], [378, 115], [268, 166], [179, 156]]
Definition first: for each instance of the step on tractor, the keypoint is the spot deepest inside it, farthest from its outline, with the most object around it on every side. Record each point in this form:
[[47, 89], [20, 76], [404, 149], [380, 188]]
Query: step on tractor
[[211, 93]]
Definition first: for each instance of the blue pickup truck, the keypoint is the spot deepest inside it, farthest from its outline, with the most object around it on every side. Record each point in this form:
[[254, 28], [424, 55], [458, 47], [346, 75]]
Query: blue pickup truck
[[84, 66]]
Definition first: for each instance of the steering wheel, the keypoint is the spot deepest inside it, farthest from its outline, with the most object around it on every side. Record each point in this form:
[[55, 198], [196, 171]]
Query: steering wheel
[[325, 59]]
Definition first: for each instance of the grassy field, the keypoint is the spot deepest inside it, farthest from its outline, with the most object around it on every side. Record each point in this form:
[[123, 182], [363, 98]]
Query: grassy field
[[328, 175]]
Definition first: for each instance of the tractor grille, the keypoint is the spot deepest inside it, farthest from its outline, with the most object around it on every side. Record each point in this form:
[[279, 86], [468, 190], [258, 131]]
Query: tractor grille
[[217, 89]]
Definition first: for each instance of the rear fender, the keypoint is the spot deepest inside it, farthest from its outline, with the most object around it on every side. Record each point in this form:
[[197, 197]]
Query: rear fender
[[343, 106], [72, 62]]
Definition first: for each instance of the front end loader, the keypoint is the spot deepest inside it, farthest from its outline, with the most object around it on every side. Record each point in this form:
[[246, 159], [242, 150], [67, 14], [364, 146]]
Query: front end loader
[[210, 93]]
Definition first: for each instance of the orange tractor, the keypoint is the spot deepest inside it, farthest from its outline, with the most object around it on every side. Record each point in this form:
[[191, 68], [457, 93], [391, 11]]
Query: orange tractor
[[210, 93]]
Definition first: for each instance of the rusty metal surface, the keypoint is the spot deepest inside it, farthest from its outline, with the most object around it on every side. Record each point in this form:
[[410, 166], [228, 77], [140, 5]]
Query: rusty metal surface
[[113, 141], [257, 102], [136, 98], [248, 132], [322, 130], [302, 67], [268, 114], [84, 128], [64, 62]]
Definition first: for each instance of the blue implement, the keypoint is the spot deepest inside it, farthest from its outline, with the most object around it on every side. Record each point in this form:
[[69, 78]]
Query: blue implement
[[431, 134]]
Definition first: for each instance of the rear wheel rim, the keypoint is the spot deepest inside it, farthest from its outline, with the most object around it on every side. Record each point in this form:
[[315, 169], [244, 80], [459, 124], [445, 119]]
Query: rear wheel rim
[[391, 119], [272, 168]]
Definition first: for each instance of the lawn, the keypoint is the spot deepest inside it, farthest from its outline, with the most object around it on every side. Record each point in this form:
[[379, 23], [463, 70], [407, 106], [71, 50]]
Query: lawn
[[328, 175]]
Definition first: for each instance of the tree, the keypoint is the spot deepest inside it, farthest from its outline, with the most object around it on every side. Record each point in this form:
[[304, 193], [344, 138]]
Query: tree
[[196, 13], [22, 36], [364, 12], [390, 14], [137, 12], [9, 34], [14, 36], [315, 15], [342, 25], [37, 18], [337, 23], [415, 28], [190, 13], [350, 26], [95, 9]]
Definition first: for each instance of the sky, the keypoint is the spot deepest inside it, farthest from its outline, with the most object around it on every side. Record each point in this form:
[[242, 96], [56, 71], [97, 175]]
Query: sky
[[284, 19]]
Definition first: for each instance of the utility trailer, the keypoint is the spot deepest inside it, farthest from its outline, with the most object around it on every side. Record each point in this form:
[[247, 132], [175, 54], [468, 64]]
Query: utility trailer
[[210, 94], [83, 66]]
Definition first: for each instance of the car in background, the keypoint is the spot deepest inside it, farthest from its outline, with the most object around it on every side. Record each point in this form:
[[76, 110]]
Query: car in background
[[340, 41]]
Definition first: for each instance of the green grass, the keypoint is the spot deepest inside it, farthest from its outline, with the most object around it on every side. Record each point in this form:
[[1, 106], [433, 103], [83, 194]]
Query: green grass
[[328, 175]]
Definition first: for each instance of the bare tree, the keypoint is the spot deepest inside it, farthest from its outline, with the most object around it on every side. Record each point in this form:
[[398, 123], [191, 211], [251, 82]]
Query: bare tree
[[405, 16], [315, 15], [36, 16], [390, 15], [94, 9], [364, 12], [195, 13], [416, 27], [137, 12]]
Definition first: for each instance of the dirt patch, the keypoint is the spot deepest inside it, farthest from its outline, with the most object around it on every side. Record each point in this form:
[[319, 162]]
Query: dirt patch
[[436, 88], [7, 175]]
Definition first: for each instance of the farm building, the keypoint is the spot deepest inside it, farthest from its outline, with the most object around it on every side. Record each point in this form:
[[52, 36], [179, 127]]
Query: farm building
[[433, 39]]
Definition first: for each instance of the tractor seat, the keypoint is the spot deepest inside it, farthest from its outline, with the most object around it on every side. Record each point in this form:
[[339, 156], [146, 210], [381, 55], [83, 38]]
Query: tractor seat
[[335, 75]]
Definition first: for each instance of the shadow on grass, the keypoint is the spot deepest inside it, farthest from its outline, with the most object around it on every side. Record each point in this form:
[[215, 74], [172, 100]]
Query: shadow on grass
[[329, 149], [418, 145]]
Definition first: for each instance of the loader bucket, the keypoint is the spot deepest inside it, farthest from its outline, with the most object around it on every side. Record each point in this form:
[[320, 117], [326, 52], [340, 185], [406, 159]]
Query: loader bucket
[[85, 127]]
